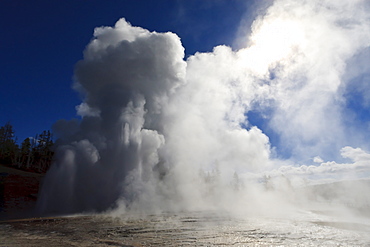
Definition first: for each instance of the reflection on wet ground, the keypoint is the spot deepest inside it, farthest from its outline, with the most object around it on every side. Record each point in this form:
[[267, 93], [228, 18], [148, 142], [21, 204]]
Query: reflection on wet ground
[[188, 229]]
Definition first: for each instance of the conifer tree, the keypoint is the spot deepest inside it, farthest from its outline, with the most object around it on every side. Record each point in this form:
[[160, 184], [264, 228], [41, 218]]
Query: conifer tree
[[8, 145]]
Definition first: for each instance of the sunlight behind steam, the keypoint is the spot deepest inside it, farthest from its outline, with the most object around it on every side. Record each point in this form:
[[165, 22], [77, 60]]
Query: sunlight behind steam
[[271, 42]]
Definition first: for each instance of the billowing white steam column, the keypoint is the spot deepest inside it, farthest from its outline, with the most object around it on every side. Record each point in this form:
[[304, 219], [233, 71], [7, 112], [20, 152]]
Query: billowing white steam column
[[127, 76], [159, 133]]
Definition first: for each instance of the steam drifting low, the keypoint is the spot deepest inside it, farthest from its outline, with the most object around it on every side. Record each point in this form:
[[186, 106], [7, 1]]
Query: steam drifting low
[[162, 133]]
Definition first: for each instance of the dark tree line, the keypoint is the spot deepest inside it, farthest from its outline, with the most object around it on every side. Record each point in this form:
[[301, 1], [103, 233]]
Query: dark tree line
[[33, 154]]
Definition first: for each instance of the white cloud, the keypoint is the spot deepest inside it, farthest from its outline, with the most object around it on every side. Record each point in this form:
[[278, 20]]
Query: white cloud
[[317, 159], [355, 154], [359, 168]]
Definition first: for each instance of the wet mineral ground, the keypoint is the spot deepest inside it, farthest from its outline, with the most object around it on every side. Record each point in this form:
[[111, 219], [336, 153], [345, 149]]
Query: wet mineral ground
[[187, 229], [18, 195]]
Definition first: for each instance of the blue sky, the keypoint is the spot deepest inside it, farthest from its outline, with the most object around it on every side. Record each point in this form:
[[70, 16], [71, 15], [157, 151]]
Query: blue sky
[[42, 40]]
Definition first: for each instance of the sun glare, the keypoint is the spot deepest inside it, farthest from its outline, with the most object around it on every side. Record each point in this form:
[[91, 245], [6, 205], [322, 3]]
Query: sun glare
[[270, 43]]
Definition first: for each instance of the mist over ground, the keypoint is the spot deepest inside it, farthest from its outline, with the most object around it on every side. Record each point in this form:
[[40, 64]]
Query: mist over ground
[[162, 133]]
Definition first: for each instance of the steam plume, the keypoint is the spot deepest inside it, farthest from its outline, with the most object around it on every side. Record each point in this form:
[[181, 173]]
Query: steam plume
[[161, 133]]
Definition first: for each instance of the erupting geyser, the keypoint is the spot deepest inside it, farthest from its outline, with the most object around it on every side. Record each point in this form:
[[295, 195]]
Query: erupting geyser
[[161, 133]]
